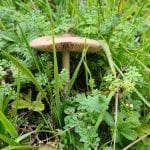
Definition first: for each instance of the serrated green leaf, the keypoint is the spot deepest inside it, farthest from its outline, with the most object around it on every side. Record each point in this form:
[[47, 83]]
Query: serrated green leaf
[[108, 118], [69, 110], [129, 133], [35, 105], [8, 36], [21, 104], [91, 103]]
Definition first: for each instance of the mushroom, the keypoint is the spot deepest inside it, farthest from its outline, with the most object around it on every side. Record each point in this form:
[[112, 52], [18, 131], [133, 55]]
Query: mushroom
[[65, 43]]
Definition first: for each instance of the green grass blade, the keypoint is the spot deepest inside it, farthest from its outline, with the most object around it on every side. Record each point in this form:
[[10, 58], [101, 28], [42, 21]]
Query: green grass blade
[[109, 56], [77, 70], [8, 125], [24, 147], [8, 140], [1, 99], [58, 109], [136, 59], [25, 71], [29, 48], [24, 136], [17, 95], [49, 11], [142, 98], [32, 54]]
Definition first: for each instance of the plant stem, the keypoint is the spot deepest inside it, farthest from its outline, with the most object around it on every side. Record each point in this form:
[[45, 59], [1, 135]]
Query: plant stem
[[136, 141], [116, 118]]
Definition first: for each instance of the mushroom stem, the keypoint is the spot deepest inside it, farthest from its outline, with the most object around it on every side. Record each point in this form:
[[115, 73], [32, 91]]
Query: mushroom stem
[[66, 65], [66, 60]]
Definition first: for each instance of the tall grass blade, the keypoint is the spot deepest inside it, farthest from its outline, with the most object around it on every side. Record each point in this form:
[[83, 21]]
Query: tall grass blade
[[8, 125], [1, 99], [109, 56], [75, 74], [29, 48], [142, 98], [24, 136], [8, 140], [24, 70], [136, 59], [58, 109], [24, 147]]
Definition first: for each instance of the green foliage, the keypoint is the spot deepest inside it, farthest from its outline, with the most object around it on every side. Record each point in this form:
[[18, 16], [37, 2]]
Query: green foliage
[[24, 70], [32, 82], [7, 93], [130, 79], [33, 25], [36, 105], [127, 125], [109, 25], [8, 125], [81, 116], [63, 77]]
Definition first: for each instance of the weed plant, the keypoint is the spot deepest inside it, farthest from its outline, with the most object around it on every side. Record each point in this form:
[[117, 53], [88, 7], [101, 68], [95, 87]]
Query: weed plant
[[108, 100]]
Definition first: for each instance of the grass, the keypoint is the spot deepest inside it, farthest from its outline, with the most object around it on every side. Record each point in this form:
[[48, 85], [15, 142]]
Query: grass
[[107, 102]]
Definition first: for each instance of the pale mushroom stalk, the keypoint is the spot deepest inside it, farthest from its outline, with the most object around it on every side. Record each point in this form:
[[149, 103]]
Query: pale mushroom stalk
[[66, 58], [66, 61], [66, 65]]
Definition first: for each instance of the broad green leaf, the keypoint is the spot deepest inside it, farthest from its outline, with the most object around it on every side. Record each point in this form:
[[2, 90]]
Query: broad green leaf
[[108, 118], [35, 105], [22, 104], [90, 103], [129, 134], [8, 36]]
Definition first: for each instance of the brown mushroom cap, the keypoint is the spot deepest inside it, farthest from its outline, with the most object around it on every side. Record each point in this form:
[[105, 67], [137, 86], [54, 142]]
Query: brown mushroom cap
[[65, 43]]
